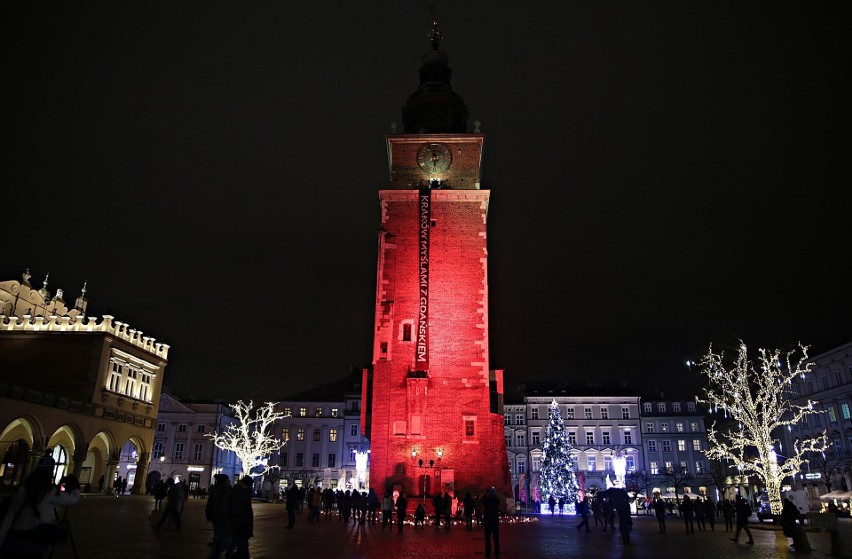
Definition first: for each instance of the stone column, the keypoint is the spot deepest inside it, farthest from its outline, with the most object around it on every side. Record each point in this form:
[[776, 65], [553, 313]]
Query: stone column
[[141, 474], [79, 457], [109, 477]]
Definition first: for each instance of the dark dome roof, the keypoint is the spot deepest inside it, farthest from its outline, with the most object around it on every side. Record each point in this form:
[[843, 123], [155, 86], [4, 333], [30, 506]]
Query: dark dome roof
[[434, 107]]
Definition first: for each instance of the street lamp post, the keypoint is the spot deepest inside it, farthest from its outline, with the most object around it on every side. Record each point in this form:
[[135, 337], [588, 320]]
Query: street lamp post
[[431, 465]]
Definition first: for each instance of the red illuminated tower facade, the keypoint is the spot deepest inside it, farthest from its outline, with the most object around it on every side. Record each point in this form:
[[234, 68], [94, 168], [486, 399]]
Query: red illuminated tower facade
[[433, 407]]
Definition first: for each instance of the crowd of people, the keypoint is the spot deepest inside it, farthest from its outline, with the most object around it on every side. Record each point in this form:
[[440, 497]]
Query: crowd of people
[[228, 509]]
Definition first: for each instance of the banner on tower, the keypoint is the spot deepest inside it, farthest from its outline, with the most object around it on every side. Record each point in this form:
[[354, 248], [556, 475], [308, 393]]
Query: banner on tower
[[425, 217]]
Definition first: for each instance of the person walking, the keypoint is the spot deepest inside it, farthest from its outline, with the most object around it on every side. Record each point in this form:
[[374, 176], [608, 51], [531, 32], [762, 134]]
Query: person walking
[[469, 506], [356, 507], [372, 506], [327, 502], [583, 511], [438, 505], [698, 507], [215, 510], [597, 513], [710, 513], [174, 504], [401, 506], [491, 522], [387, 511], [660, 511], [314, 504], [742, 510], [448, 509], [293, 499], [687, 510], [625, 521], [159, 494], [608, 514], [240, 519], [728, 514], [551, 503]]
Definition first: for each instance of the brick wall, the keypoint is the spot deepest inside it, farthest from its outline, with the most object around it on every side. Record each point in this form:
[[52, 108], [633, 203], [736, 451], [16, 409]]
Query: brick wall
[[457, 387]]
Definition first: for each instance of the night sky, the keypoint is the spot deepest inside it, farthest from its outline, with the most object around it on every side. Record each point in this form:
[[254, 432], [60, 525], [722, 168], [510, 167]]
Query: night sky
[[663, 176]]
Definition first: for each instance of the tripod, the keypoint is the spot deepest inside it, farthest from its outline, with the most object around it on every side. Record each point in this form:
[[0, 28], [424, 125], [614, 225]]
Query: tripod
[[64, 520]]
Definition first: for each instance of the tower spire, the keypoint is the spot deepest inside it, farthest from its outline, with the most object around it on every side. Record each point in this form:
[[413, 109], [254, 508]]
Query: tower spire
[[435, 35], [45, 294], [81, 303], [434, 108]]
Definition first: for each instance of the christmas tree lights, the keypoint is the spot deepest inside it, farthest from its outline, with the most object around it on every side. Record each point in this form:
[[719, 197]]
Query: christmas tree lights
[[250, 437], [760, 400], [558, 472]]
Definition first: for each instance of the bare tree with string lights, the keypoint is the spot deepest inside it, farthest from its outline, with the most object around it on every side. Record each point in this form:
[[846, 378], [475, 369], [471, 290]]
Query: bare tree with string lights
[[250, 437], [759, 397]]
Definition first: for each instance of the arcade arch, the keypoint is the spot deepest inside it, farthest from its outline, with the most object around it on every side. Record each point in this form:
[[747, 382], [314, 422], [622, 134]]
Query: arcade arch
[[18, 443]]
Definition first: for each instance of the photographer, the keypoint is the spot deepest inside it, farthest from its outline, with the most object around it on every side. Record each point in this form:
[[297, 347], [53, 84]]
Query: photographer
[[31, 528]]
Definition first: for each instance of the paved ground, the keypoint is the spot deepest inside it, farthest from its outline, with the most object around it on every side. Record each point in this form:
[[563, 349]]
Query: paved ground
[[111, 527]]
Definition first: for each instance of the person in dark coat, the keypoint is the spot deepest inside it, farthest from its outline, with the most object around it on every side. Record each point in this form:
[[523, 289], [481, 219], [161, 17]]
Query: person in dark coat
[[597, 513], [660, 510], [240, 518], [159, 494], [174, 504], [419, 516], [789, 516], [448, 509], [743, 511], [491, 522], [216, 512], [687, 510], [387, 511], [468, 505], [710, 513], [728, 514], [583, 510], [401, 506], [293, 500], [698, 507], [551, 504], [625, 520], [372, 506], [438, 505]]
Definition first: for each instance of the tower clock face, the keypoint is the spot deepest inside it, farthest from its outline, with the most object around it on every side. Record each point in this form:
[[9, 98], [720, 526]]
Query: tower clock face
[[434, 158]]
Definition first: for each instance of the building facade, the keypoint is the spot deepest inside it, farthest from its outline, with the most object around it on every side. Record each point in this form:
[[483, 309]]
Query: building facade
[[609, 427], [675, 438], [77, 386], [432, 396], [183, 449], [829, 386], [323, 444], [600, 428]]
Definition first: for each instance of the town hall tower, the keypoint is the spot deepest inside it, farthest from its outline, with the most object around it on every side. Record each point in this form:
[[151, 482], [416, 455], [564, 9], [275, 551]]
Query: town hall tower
[[433, 407]]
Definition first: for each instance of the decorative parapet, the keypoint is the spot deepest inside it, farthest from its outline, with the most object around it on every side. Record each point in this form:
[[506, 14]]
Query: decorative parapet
[[108, 325]]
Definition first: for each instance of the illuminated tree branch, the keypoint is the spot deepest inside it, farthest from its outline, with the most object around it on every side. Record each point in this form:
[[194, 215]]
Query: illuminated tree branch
[[760, 401], [250, 437]]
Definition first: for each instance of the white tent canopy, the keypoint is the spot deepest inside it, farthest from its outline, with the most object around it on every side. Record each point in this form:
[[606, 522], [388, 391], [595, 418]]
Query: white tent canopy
[[836, 495]]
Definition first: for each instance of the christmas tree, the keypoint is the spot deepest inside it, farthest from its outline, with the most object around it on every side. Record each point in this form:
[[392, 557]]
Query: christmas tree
[[558, 473]]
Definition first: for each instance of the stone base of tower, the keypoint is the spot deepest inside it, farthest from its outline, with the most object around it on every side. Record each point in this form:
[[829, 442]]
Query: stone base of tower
[[443, 455]]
